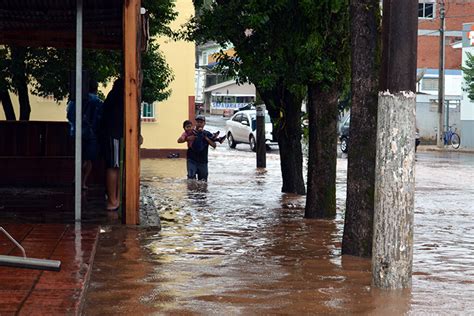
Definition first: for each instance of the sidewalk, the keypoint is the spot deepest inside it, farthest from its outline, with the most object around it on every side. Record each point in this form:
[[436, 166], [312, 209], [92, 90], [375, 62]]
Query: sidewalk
[[42, 220], [428, 148], [27, 291]]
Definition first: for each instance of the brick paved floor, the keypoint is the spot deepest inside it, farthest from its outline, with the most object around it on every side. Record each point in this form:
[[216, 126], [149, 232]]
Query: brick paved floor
[[33, 292]]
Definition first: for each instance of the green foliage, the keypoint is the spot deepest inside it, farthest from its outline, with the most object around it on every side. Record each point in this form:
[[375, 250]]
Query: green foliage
[[19, 67], [52, 67], [157, 77], [161, 12], [469, 76], [327, 49], [4, 67]]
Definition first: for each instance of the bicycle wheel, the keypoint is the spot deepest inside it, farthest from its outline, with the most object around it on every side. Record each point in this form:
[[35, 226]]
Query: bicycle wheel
[[455, 140]]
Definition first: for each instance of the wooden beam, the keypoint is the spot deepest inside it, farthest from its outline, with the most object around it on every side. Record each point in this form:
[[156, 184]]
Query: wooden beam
[[58, 38], [131, 49]]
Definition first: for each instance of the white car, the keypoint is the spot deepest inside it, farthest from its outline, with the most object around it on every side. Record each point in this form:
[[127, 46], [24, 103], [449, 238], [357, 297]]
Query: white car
[[241, 128]]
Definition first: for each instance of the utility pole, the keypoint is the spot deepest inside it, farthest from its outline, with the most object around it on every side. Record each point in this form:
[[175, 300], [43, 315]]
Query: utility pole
[[440, 141], [261, 146]]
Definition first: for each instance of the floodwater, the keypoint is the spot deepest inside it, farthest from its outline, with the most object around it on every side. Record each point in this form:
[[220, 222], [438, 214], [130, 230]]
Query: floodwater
[[237, 245]]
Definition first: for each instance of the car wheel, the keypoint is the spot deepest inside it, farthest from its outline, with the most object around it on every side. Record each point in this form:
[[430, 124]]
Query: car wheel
[[231, 141], [253, 143], [344, 145]]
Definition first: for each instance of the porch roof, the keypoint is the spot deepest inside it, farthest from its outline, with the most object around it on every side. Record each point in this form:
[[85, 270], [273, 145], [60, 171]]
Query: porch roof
[[52, 23]]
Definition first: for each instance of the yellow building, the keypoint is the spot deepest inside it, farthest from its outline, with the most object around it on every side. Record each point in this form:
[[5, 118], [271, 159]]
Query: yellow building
[[42, 109], [160, 134], [163, 126]]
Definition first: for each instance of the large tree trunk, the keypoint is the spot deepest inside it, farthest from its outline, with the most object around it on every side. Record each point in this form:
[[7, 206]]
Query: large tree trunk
[[20, 81], [322, 114], [24, 100], [392, 256], [289, 138], [288, 134], [365, 39], [395, 191], [7, 104]]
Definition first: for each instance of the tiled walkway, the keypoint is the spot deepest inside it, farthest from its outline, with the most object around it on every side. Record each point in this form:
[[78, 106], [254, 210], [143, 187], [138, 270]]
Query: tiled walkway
[[34, 292]]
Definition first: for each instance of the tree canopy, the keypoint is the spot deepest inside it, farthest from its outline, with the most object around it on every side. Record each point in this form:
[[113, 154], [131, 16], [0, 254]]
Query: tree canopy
[[279, 42], [469, 76]]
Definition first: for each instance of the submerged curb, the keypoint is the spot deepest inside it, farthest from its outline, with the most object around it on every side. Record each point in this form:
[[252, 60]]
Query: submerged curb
[[426, 148]]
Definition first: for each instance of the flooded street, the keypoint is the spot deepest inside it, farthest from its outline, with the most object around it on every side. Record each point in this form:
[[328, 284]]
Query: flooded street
[[237, 245]]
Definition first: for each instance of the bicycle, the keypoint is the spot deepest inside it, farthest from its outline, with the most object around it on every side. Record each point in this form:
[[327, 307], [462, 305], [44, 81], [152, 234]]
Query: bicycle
[[452, 138]]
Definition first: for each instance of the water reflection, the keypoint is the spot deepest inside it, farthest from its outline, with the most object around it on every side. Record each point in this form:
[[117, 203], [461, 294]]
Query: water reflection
[[236, 245], [197, 192]]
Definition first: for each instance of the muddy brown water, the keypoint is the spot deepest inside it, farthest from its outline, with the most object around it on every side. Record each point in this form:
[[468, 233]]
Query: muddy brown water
[[237, 245]]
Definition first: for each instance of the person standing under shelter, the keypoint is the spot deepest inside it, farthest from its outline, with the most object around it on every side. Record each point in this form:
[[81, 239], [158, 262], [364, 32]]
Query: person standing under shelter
[[197, 154], [91, 115], [112, 138]]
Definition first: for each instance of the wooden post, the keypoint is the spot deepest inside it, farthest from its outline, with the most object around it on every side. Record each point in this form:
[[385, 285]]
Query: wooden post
[[131, 49], [392, 252]]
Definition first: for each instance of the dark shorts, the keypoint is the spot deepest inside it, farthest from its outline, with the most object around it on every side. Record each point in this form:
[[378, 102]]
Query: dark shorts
[[197, 169], [112, 152], [89, 149]]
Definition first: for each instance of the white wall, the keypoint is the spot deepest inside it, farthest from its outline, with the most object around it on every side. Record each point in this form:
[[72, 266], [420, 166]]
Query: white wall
[[467, 106], [452, 85]]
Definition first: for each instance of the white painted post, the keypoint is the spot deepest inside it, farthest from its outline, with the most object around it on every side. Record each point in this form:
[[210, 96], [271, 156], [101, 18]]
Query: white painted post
[[78, 102]]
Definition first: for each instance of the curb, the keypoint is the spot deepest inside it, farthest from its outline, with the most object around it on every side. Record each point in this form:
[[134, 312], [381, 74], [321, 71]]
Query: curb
[[449, 150]]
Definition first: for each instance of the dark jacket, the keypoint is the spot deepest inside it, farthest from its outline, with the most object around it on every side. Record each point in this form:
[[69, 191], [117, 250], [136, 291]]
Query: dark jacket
[[112, 118], [91, 115]]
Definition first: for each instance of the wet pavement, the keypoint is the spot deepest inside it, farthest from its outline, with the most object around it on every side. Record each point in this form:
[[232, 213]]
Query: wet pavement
[[237, 245], [38, 292]]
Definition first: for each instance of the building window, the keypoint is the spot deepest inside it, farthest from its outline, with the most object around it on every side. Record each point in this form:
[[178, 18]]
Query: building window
[[148, 112], [426, 10], [429, 84], [204, 61]]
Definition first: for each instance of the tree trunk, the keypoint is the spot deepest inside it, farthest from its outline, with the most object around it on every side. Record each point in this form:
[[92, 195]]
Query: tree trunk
[[288, 134], [7, 105], [289, 138], [392, 257], [20, 81], [365, 39], [24, 100], [392, 253], [322, 115]]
